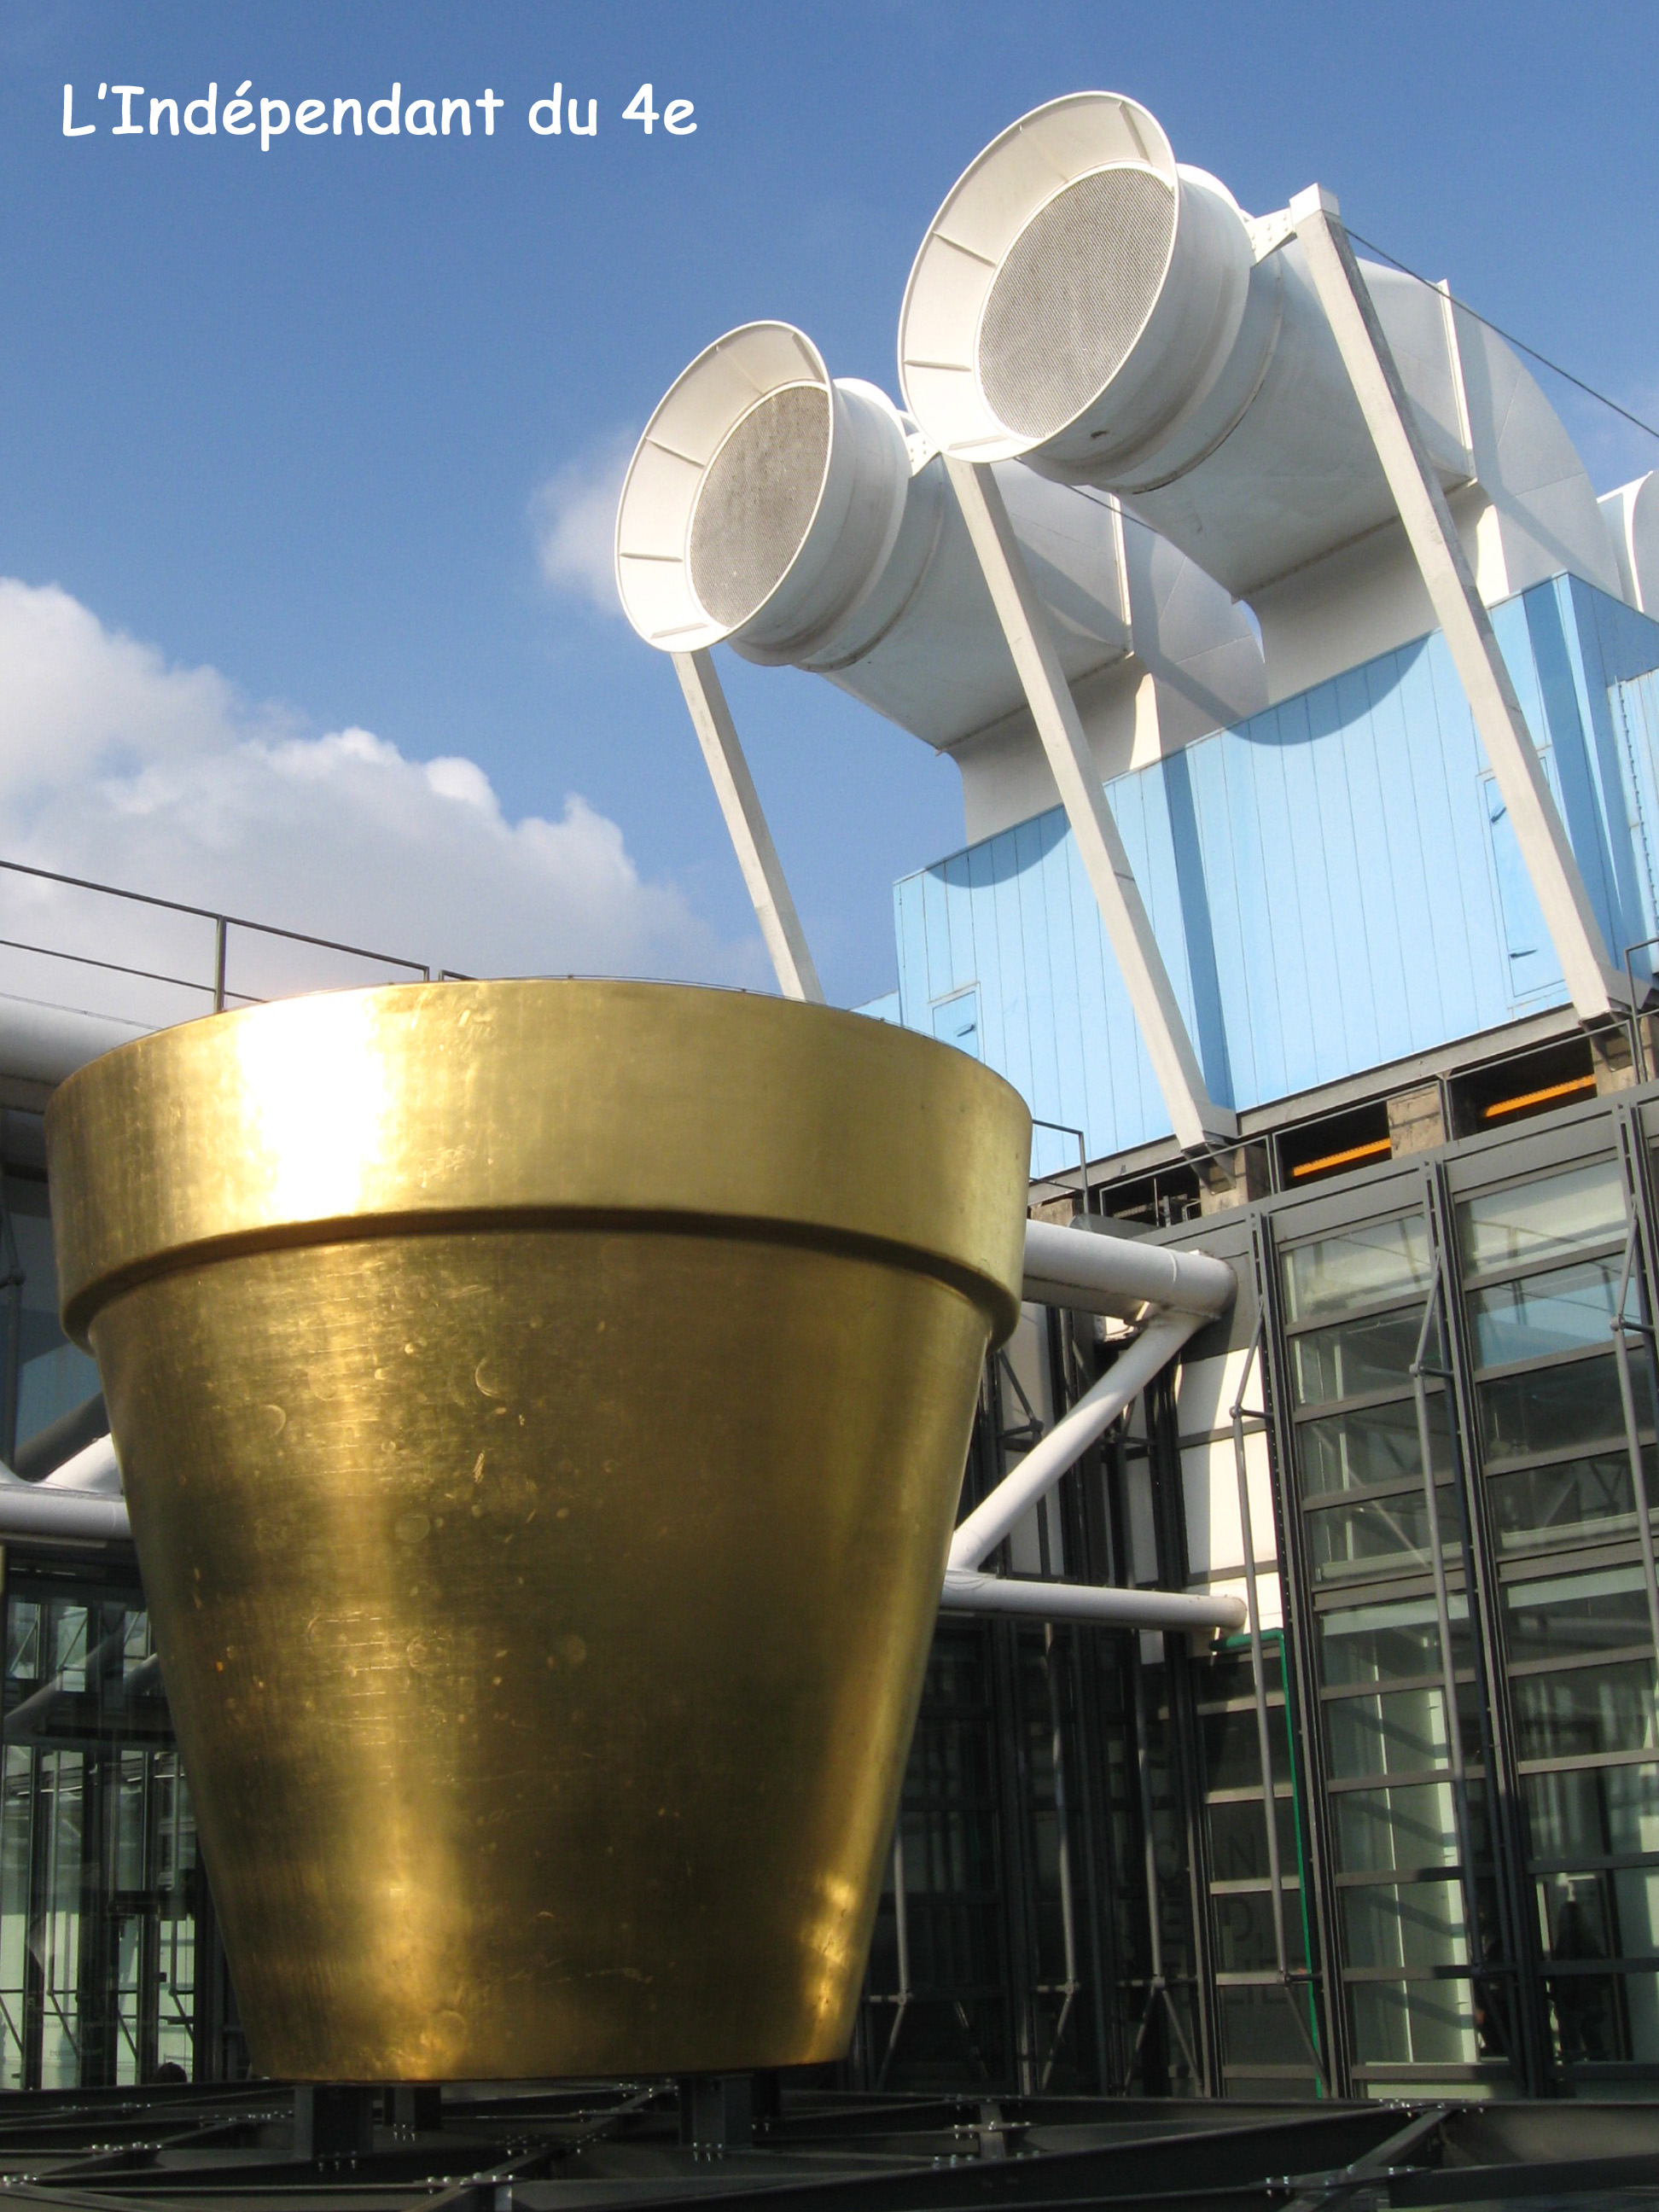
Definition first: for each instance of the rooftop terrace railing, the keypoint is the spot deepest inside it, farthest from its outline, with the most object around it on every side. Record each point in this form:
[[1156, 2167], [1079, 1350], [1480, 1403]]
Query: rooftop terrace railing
[[85, 965]]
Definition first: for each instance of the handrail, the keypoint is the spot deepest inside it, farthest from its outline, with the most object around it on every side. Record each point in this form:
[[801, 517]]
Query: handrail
[[207, 914]]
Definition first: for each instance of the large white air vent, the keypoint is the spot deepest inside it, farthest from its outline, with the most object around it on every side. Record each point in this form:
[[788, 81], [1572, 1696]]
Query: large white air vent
[[761, 500], [1085, 303]]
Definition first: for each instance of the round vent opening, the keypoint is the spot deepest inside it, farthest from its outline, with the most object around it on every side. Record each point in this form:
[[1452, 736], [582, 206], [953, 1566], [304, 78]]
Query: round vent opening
[[1072, 296], [756, 502]]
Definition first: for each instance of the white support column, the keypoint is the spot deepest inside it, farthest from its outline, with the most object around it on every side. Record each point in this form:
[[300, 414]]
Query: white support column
[[745, 823], [1198, 1121], [1591, 979]]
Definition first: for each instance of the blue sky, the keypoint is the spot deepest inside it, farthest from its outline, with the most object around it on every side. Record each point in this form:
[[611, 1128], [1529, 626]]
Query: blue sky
[[293, 416]]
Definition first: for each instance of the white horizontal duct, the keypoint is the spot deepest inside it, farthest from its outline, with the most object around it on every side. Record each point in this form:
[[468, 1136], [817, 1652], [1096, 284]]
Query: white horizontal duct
[[1086, 304], [803, 520], [1092, 1605], [78, 1502], [41, 1043], [1092, 1271]]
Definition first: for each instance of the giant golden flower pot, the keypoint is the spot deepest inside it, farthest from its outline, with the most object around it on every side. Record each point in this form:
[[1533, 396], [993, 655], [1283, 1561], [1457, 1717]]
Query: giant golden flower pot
[[542, 1408]]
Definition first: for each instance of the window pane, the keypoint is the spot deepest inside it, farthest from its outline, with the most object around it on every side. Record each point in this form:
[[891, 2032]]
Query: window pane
[[1380, 1536], [1597, 1914], [1238, 1839], [1589, 1710], [1400, 1732], [1562, 1409], [1244, 1931], [1600, 2019], [1415, 1926], [1353, 1451], [1358, 1355], [1600, 1811], [1541, 1314], [1413, 2024], [1361, 1267], [1574, 1616], [1258, 2028], [1385, 1642], [1405, 1831], [53, 1377], [1502, 1228], [1574, 1501], [1232, 1747]]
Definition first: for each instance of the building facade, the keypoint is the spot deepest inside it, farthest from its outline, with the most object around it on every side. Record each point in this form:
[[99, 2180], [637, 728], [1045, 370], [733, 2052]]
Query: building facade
[[1414, 1446]]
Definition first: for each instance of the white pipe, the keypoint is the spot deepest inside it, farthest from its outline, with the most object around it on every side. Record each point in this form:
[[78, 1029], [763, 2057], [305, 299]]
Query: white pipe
[[1091, 1603], [1066, 1442], [78, 1502], [93, 1471], [44, 1043], [29, 1512], [1087, 1272], [798, 518]]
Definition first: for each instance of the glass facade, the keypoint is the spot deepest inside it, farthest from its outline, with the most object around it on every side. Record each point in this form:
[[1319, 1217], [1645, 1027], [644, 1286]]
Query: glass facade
[[98, 1864], [1462, 1704]]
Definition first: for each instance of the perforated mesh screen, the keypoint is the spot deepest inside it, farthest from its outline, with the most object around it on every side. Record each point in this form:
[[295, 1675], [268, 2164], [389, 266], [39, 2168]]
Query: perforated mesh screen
[[757, 499], [1069, 301]]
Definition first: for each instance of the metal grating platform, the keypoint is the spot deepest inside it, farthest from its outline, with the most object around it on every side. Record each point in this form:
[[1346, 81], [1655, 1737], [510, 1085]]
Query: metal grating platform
[[265, 2148]]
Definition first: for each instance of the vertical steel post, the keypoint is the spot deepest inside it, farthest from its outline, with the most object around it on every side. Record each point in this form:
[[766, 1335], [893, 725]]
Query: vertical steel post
[[1264, 1733], [221, 934], [1633, 1433], [901, 1928], [1443, 1617], [1259, 1679], [1067, 1912]]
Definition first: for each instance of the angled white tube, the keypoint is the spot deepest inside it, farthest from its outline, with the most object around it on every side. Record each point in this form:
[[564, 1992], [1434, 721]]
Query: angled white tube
[[1092, 1603], [1066, 1442], [92, 1472], [1088, 1272], [79, 1502]]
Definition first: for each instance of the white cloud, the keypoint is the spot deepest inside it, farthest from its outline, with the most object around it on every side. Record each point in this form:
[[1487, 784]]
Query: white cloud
[[574, 515], [117, 767]]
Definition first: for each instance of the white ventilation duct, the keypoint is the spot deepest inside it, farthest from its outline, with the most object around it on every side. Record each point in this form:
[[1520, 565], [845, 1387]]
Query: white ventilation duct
[[1632, 519], [802, 520], [1086, 304]]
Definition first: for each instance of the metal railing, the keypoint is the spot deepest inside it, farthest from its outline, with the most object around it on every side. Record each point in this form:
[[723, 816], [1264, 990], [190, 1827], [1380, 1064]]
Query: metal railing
[[1065, 1129], [216, 987]]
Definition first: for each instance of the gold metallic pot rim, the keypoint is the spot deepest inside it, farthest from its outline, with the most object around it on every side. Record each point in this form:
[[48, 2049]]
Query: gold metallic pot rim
[[433, 1107]]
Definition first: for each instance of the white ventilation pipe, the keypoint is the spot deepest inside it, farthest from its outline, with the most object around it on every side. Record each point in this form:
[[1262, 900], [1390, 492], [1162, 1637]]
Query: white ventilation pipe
[[1086, 304], [78, 1502], [1093, 1605], [1089, 1271], [802, 520], [44, 1043]]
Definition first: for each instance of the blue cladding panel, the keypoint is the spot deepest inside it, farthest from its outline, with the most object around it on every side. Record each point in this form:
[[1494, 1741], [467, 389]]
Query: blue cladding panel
[[1332, 883]]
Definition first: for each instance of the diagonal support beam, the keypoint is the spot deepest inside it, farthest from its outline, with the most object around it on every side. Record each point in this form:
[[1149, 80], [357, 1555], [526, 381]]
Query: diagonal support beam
[[1593, 984], [1198, 1123], [745, 823]]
